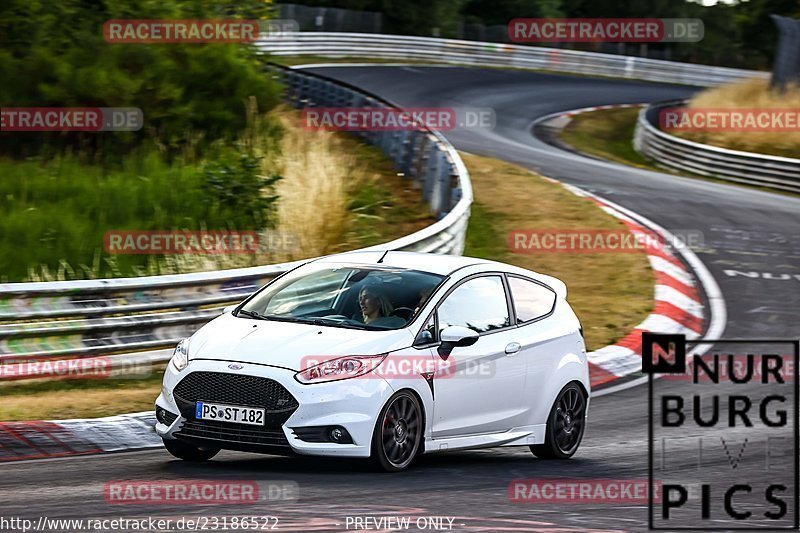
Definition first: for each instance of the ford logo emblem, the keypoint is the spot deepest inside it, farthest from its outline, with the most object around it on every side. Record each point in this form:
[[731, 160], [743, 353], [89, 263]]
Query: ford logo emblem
[[235, 367]]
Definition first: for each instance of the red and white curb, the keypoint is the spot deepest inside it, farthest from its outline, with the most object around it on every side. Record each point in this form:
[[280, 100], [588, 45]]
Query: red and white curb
[[678, 307], [21, 441]]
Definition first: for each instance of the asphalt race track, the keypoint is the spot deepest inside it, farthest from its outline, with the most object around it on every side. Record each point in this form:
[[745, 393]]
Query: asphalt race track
[[745, 231]]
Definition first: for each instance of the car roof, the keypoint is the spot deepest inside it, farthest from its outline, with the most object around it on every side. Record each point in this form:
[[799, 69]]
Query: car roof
[[425, 262], [441, 264]]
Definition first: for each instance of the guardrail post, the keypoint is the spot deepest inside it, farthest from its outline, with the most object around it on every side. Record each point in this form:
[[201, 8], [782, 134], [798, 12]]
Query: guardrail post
[[431, 175], [398, 148], [410, 151], [423, 155], [445, 171]]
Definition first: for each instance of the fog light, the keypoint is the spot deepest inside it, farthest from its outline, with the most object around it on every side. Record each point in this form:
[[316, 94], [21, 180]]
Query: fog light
[[165, 417], [339, 435]]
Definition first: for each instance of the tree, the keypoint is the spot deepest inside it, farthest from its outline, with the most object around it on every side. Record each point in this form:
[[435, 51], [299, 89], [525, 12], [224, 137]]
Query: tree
[[54, 54]]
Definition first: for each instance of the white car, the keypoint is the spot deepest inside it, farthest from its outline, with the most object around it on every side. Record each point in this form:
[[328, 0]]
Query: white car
[[385, 355]]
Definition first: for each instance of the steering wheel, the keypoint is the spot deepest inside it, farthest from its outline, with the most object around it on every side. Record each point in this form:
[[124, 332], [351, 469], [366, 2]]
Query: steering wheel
[[403, 312]]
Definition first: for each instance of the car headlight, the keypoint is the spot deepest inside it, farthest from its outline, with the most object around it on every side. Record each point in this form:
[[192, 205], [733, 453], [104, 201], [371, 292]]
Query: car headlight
[[180, 357], [349, 366]]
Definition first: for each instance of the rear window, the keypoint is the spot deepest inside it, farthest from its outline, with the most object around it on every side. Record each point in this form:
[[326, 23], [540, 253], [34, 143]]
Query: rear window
[[531, 300]]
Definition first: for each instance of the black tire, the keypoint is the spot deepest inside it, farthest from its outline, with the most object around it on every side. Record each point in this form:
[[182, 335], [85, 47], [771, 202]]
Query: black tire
[[565, 425], [188, 452], [397, 438]]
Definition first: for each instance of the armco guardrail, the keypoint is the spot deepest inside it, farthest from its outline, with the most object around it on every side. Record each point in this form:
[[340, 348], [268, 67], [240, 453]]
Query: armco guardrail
[[406, 48], [115, 317], [672, 152]]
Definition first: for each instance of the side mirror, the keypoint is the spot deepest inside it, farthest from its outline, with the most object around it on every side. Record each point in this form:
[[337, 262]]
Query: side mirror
[[455, 336], [424, 337], [229, 309]]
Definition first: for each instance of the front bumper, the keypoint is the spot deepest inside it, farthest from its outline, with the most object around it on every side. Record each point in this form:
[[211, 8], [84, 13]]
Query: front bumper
[[353, 404]]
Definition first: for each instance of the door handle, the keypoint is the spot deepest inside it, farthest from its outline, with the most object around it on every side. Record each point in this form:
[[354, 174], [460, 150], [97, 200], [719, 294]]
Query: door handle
[[512, 348]]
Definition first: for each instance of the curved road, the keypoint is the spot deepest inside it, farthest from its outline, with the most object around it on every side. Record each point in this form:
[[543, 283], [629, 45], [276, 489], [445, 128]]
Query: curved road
[[751, 248]]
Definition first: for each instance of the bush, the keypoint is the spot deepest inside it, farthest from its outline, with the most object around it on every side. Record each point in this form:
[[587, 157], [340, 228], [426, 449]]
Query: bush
[[54, 54], [57, 212]]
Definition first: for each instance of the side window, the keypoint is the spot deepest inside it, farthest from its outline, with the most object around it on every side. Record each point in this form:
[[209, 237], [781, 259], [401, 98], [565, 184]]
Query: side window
[[479, 304], [531, 300]]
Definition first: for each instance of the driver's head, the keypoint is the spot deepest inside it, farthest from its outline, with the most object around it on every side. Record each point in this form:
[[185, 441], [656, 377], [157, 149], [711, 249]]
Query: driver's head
[[373, 303]]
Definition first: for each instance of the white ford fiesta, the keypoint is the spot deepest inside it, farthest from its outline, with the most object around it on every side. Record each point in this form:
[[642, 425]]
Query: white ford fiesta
[[385, 355]]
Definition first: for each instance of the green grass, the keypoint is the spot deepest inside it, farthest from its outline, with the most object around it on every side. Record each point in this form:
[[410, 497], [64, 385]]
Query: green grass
[[56, 212], [484, 239], [608, 134]]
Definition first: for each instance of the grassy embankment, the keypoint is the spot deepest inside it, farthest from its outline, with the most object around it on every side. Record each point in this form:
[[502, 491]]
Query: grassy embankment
[[749, 94]]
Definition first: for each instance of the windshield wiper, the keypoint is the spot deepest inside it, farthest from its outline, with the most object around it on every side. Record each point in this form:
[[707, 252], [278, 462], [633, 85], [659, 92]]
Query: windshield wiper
[[297, 319], [251, 314], [279, 318], [316, 321]]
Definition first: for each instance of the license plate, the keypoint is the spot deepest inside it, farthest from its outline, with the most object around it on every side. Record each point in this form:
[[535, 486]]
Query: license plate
[[229, 413]]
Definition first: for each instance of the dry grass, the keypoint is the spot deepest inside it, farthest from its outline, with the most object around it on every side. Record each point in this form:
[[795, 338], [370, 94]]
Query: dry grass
[[611, 293], [338, 194], [59, 400], [318, 173], [749, 94]]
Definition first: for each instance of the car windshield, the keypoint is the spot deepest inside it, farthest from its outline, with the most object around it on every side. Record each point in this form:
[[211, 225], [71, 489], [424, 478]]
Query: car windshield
[[358, 297]]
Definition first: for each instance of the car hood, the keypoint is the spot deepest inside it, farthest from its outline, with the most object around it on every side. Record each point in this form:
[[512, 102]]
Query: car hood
[[286, 345]]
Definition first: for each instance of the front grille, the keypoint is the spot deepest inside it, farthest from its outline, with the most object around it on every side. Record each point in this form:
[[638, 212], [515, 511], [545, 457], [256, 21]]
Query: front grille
[[235, 389], [239, 390], [235, 433]]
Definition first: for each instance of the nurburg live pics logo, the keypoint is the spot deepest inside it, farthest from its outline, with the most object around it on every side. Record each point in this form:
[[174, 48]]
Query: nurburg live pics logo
[[727, 455]]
